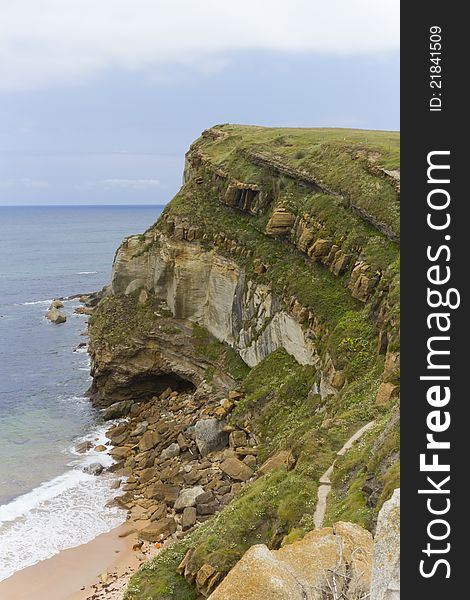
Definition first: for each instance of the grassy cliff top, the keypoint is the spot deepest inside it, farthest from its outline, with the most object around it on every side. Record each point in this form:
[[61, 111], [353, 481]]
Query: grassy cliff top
[[359, 168], [300, 145]]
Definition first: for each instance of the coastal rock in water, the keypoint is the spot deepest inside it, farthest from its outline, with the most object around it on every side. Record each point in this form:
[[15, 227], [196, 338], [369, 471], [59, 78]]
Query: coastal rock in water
[[84, 446], [57, 304], [120, 452], [55, 316], [323, 560], [386, 559], [94, 469], [210, 436]]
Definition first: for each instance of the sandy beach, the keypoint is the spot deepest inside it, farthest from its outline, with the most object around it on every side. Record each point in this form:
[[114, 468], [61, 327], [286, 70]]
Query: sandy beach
[[92, 571]]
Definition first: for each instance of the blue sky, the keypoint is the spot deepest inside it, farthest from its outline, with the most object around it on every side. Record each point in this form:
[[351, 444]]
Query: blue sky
[[85, 120]]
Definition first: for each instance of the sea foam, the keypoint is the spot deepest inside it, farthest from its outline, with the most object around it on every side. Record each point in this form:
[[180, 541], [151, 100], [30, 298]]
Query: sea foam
[[67, 511]]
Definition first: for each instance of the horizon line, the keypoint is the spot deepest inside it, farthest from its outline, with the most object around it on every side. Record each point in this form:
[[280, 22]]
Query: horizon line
[[76, 205]]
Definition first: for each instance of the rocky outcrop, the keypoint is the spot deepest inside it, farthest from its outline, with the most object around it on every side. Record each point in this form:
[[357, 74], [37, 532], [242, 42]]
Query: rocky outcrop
[[249, 327], [54, 315], [332, 562], [386, 559], [211, 290]]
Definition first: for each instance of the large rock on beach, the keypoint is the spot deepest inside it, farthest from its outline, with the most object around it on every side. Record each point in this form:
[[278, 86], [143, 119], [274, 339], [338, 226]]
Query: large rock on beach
[[188, 497], [117, 410], [210, 436], [164, 527]]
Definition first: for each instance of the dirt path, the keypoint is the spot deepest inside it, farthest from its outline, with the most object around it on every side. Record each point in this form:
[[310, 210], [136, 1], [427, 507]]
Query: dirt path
[[325, 482]]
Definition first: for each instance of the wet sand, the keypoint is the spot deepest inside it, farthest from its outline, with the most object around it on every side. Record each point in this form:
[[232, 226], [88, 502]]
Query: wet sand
[[99, 569]]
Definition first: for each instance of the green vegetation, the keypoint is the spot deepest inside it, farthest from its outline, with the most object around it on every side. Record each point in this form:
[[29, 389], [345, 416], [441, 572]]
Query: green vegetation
[[280, 400], [343, 160], [371, 466], [120, 318], [352, 344], [313, 285], [278, 507], [220, 354]]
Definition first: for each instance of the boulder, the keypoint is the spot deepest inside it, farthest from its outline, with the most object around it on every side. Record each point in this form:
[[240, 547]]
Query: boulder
[[386, 392], [94, 469], [56, 304], [55, 316], [210, 436], [164, 527], [170, 452], [148, 441], [325, 559], [236, 469], [386, 555], [120, 452], [188, 497], [238, 438], [159, 513], [189, 517], [100, 448], [117, 410], [209, 508], [116, 431], [163, 492], [283, 458], [139, 430], [83, 447]]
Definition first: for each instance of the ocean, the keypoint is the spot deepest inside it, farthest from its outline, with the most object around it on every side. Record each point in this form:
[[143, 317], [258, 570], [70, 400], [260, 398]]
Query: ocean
[[47, 502]]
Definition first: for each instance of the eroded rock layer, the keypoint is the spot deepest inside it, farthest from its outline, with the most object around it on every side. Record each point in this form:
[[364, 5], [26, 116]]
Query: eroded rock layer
[[272, 276]]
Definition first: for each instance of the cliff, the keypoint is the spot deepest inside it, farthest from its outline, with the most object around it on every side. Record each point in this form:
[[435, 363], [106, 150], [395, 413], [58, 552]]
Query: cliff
[[271, 276]]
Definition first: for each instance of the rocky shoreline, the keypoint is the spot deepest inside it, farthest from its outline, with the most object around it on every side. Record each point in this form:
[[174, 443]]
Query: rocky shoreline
[[248, 344], [178, 463]]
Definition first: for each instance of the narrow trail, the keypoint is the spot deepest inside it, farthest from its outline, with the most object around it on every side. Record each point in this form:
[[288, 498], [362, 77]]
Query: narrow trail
[[325, 482]]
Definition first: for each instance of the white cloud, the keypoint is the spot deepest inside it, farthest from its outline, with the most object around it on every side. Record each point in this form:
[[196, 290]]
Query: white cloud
[[45, 42]]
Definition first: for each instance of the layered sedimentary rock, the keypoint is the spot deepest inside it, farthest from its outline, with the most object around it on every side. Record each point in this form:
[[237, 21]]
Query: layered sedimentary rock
[[212, 290], [267, 296]]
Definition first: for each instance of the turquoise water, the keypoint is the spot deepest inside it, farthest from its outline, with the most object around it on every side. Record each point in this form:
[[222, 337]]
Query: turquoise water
[[48, 252]]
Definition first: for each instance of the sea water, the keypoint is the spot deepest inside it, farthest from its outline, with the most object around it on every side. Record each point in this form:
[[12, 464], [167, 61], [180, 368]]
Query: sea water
[[47, 502]]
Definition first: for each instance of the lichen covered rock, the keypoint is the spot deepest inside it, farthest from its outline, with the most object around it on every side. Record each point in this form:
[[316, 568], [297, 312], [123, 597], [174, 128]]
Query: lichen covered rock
[[386, 559], [330, 558]]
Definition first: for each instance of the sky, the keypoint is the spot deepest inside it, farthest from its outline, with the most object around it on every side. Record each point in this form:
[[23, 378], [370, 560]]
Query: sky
[[100, 99]]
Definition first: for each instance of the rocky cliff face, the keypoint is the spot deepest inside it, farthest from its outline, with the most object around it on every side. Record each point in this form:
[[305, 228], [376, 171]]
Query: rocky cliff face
[[212, 290], [274, 270]]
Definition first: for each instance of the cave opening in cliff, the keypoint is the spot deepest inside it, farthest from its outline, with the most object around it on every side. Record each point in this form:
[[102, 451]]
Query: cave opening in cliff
[[243, 199], [143, 387]]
